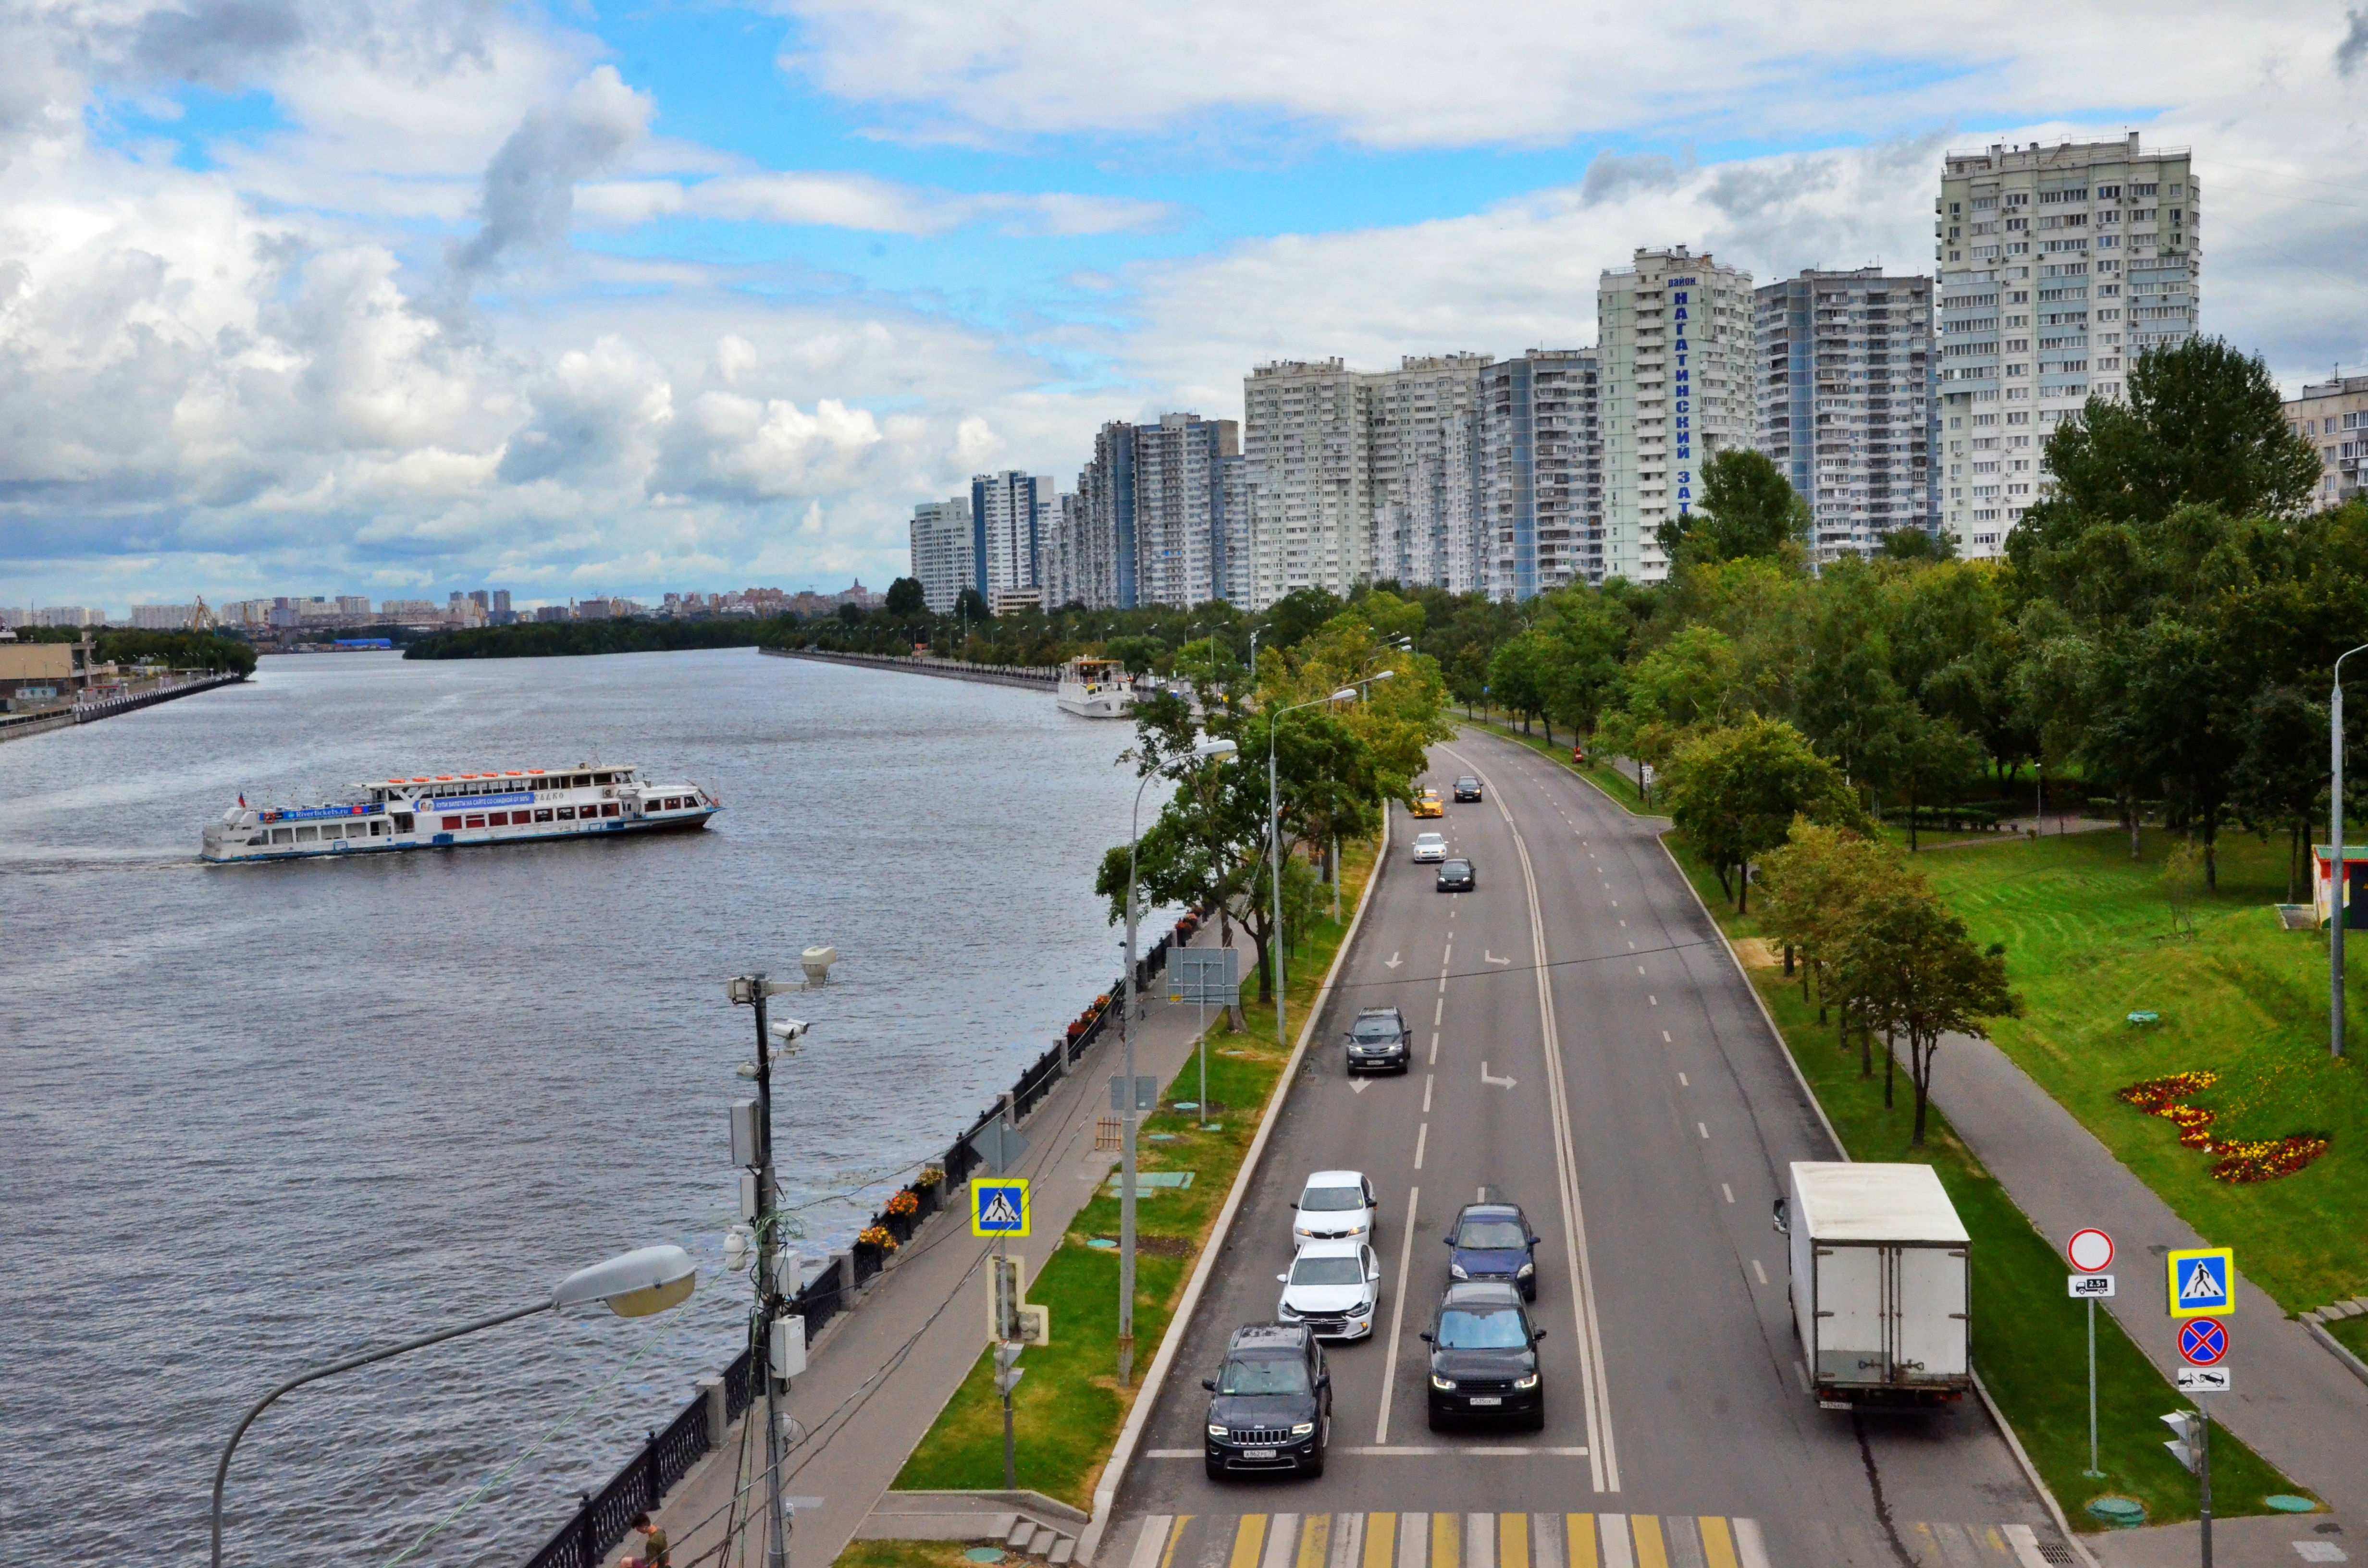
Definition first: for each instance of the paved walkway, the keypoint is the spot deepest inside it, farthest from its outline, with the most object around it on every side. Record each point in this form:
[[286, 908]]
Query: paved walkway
[[2293, 1404], [879, 1377]]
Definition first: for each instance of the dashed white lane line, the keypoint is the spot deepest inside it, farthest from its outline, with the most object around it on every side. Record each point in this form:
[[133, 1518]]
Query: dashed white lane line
[[1654, 1000], [1427, 1079], [1441, 1011], [1623, 925], [1702, 1128], [1421, 1138], [1681, 1082], [1434, 1045], [1758, 1271], [1728, 1190], [1665, 1036], [1640, 968]]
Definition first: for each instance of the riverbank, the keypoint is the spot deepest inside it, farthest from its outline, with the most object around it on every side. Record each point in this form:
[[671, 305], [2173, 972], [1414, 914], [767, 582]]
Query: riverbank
[[17, 726], [1031, 676]]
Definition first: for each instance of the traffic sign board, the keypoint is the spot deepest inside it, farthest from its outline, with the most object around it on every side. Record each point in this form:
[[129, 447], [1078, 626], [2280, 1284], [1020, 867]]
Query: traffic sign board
[[2203, 1282], [2203, 1342], [2092, 1250], [2203, 1379], [998, 1147], [2091, 1286], [998, 1208]]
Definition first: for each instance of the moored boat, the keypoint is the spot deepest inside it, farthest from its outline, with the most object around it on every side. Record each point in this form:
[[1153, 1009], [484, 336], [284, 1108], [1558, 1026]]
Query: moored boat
[[459, 810], [1095, 689]]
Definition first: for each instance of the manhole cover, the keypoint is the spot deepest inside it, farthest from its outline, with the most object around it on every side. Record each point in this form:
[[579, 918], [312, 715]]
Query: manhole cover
[[2287, 1503], [984, 1554], [1106, 1244], [2123, 1513]]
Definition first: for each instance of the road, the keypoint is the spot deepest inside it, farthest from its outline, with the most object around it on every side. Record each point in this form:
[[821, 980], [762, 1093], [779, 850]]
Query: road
[[1585, 1046]]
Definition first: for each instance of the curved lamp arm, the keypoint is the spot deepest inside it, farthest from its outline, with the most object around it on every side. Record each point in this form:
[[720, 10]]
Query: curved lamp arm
[[222, 1471]]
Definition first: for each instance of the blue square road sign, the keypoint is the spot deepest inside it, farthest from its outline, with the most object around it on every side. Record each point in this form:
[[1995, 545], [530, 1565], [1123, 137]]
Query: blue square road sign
[[2203, 1282], [998, 1208]]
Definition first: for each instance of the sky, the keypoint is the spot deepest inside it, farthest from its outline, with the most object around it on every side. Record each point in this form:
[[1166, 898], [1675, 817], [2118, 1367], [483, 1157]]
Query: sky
[[396, 297]]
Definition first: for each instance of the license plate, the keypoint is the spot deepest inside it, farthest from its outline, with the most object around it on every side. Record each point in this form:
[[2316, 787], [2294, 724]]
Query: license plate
[[1484, 1398], [1257, 1453]]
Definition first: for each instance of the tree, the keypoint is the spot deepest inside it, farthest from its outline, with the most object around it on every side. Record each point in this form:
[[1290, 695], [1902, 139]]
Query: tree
[[970, 605], [1924, 758], [1735, 792], [905, 598], [2201, 424], [1918, 544], [1519, 676], [1810, 888], [1912, 966], [2281, 775], [1747, 508]]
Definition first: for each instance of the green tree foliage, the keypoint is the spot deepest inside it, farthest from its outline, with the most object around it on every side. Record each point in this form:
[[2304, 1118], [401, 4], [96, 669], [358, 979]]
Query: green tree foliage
[[1747, 508], [1736, 793], [905, 597], [1911, 967], [554, 638]]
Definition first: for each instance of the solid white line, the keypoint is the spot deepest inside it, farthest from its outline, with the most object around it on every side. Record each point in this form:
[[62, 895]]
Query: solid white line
[[1427, 1079], [1397, 1316], [1603, 1460], [1760, 1273], [1421, 1135], [1171, 1453]]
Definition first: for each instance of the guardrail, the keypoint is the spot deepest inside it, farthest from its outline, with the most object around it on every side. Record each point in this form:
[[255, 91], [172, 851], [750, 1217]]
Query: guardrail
[[669, 1454]]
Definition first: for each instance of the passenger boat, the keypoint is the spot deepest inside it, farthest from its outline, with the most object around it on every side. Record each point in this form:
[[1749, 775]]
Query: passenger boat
[[457, 810], [1095, 689]]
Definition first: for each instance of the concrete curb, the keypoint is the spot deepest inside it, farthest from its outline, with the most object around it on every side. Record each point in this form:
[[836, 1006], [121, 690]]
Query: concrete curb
[[2335, 1348], [2013, 1443], [957, 1502], [1114, 1471]]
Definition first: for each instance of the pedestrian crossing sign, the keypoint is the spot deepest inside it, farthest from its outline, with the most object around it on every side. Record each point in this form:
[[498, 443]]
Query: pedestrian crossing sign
[[998, 1208], [2203, 1282]]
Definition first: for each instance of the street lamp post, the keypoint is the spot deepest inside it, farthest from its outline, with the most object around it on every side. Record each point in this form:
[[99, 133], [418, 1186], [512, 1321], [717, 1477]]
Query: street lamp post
[[1128, 1113], [2335, 863], [633, 1284], [1274, 834]]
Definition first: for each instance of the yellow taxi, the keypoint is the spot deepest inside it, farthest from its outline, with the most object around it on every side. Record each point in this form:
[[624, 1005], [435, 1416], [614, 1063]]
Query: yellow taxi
[[1427, 804]]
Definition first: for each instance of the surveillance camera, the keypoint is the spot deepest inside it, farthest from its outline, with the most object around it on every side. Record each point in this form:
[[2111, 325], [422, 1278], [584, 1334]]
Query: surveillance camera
[[789, 1029]]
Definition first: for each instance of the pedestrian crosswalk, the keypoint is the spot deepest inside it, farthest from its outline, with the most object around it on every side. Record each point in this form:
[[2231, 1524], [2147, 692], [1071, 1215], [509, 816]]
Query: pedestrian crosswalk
[[1572, 1540]]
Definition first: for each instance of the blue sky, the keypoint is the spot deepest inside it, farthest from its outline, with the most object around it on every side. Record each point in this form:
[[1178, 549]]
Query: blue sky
[[620, 298]]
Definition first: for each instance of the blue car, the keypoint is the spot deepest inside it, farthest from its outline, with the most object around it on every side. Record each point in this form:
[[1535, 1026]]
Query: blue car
[[1492, 1241]]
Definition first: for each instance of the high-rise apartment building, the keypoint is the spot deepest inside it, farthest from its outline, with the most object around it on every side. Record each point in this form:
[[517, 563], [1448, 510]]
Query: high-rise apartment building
[[1106, 504], [2332, 415], [1845, 402], [1424, 448], [1673, 334], [1009, 513], [944, 562], [1184, 536], [1541, 477], [2058, 264], [1307, 435]]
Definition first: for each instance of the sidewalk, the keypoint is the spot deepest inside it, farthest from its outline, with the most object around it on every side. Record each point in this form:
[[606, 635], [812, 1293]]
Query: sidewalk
[[880, 1374], [2293, 1404]]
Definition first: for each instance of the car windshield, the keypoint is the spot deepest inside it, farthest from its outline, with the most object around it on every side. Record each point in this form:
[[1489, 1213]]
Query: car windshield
[[1377, 1028], [1454, 867], [1264, 1374], [1331, 1199], [1492, 1235], [1476, 1329], [1430, 839], [1467, 783], [1327, 1271]]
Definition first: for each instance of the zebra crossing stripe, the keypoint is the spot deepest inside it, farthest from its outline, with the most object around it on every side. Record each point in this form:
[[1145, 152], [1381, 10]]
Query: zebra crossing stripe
[[1151, 1549], [1249, 1535], [1582, 1539], [1615, 1542], [1281, 1540], [1513, 1543], [1651, 1550], [1314, 1538], [1446, 1537], [1718, 1546], [1379, 1530]]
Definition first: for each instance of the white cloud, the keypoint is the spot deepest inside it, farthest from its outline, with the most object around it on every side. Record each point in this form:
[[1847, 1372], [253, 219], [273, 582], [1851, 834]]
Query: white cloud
[[857, 201]]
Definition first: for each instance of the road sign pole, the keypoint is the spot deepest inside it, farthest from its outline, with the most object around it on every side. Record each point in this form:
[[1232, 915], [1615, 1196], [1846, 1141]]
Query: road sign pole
[[2203, 1476], [2093, 1472]]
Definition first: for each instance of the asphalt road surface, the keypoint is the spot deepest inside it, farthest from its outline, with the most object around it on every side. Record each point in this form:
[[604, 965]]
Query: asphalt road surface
[[1584, 1046]]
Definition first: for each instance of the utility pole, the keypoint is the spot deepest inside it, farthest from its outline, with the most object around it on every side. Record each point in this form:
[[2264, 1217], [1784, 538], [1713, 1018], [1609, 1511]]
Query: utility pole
[[2337, 881]]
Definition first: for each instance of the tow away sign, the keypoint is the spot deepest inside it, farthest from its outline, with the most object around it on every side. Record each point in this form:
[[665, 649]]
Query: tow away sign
[[2203, 1282]]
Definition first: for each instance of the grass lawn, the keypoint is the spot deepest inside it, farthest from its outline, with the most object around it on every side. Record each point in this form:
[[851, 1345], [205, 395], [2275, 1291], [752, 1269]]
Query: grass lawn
[[2351, 1333], [2029, 1339], [1068, 1409], [2089, 940]]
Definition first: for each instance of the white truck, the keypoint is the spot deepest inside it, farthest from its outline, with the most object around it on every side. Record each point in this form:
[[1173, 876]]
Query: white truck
[[1881, 1284]]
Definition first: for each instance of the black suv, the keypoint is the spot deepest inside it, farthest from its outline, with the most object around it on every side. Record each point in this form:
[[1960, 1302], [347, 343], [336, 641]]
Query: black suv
[[1467, 788], [1484, 1358], [1377, 1040], [1271, 1408], [1492, 1241], [1457, 876]]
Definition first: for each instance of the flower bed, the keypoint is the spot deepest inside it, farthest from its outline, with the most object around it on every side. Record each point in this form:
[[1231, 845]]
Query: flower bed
[[2241, 1160]]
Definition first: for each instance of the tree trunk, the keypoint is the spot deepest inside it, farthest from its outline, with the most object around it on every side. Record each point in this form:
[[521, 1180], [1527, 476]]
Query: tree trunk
[[1866, 1049], [1890, 1055], [1743, 889], [1788, 958], [2130, 816], [1919, 1063], [2212, 850]]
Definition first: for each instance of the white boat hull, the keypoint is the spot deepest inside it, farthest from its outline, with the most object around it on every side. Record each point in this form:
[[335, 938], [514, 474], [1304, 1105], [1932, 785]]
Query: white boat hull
[[459, 839], [1098, 705]]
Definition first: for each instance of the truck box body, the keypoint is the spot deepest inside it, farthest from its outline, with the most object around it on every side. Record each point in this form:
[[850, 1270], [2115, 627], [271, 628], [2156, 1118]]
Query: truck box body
[[1881, 1284]]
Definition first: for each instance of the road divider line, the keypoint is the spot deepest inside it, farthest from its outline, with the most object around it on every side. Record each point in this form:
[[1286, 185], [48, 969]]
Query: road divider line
[[1397, 1315], [1421, 1139], [1427, 1079], [1728, 1190], [1602, 1457], [1758, 1273]]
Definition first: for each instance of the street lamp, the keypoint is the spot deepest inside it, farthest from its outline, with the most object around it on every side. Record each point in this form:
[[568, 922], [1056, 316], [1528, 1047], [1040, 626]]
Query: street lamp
[[1203, 753], [1274, 831], [633, 1285], [2335, 866]]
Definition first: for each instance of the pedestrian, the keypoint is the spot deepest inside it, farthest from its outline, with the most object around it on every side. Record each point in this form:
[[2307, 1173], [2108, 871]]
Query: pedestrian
[[653, 1546]]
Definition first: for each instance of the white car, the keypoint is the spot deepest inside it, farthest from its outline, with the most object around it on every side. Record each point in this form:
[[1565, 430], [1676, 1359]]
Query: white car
[[1337, 1206], [1430, 847], [1333, 1288]]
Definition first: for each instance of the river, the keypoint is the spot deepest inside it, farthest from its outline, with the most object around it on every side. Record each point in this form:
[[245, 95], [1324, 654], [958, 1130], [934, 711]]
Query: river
[[260, 1117]]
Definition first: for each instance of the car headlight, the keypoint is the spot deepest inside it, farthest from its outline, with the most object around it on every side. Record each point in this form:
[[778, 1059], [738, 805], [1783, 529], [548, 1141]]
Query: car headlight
[[1438, 1382], [1303, 1429], [1360, 1227], [1456, 1271], [1215, 1431], [1363, 1308], [1529, 1383], [1526, 1270]]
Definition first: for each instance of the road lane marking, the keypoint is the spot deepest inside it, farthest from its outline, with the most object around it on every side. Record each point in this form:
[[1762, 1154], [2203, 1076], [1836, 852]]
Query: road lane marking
[[1728, 1190], [1623, 925], [1398, 1323], [1249, 1535], [1348, 1544], [1748, 1545], [1640, 968], [1442, 987], [1175, 1536], [1654, 1000], [1434, 1046], [1493, 957], [1603, 1458], [1359, 1085], [1315, 1541], [1421, 1138], [1446, 1538], [1394, 960], [1150, 1547], [1379, 1530], [1513, 1544], [1281, 1542], [1718, 1546], [1702, 1128], [1631, 947], [1665, 1036], [1580, 1530], [1441, 1011], [1681, 1082], [1413, 1537], [1494, 1083], [1427, 1079], [1652, 1550], [1756, 1269], [1615, 1542]]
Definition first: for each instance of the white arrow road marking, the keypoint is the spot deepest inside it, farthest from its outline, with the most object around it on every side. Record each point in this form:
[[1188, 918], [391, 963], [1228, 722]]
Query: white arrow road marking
[[1493, 957], [1494, 1083], [1359, 1085], [1393, 961]]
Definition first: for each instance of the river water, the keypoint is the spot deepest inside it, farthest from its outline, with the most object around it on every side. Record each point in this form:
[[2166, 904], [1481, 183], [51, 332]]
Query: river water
[[256, 1117]]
